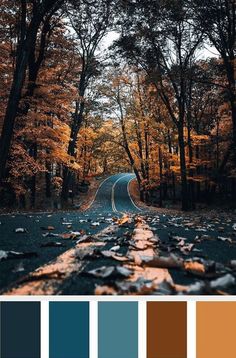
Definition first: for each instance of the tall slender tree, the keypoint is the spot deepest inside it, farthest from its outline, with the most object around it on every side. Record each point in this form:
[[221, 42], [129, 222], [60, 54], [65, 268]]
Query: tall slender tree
[[89, 30], [161, 37], [32, 14], [217, 18]]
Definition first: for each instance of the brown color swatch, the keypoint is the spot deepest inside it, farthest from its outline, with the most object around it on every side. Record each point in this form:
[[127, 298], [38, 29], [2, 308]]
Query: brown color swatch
[[167, 330], [216, 329]]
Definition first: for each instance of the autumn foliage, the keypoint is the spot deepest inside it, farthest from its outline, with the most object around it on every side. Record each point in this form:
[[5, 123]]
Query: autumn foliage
[[151, 103]]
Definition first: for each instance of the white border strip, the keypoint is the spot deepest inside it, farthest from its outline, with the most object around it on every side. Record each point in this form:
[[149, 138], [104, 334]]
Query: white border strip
[[44, 329], [142, 330], [191, 329], [93, 329], [144, 298]]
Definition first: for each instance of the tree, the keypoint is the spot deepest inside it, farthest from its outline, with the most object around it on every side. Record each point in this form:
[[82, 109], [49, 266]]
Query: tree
[[217, 18], [32, 14], [90, 28], [161, 37], [41, 131]]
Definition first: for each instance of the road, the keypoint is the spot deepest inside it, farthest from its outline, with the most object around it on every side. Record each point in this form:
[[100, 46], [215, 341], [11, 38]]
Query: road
[[112, 199], [113, 196], [193, 236]]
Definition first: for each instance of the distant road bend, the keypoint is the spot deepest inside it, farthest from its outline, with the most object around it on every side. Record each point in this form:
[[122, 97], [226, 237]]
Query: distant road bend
[[113, 196], [42, 253]]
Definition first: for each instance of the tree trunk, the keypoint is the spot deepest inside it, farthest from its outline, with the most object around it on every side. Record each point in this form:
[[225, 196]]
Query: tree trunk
[[173, 188], [161, 177], [48, 191], [183, 170], [169, 142], [26, 43], [77, 122], [33, 191], [12, 108]]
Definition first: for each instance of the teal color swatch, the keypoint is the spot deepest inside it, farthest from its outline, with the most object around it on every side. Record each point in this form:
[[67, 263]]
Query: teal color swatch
[[118, 330], [69, 330]]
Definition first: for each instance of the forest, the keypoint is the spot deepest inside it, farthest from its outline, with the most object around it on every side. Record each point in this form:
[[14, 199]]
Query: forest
[[90, 88]]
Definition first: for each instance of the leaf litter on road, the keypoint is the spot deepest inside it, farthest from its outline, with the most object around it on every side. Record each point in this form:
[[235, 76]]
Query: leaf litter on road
[[109, 271], [143, 263], [10, 255]]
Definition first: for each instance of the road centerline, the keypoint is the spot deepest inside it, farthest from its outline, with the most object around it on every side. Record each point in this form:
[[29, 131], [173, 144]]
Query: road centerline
[[113, 193]]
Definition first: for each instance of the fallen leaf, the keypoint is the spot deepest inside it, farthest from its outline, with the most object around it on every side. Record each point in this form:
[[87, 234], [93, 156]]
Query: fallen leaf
[[19, 268], [125, 219], [114, 271], [178, 238], [102, 272], [232, 264], [50, 234], [21, 230], [194, 267], [162, 262], [105, 290], [115, 248], [115, 256], [123, 271], [186, 249], [49, 228], [225, 239], [95, 224], [5, 255], [223, 282], [85, 238], [196, 288], [53, 244], [138, 287], [85, 253]]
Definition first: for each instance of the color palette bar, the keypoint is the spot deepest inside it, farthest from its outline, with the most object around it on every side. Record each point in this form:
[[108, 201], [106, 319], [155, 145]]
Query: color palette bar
[[69, 330], [118, 330], [167, 330], [20, 330]]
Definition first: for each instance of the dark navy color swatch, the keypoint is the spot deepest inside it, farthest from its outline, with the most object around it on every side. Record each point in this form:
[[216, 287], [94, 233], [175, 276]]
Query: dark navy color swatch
[[20, 330], [69, 330], [118, 330]]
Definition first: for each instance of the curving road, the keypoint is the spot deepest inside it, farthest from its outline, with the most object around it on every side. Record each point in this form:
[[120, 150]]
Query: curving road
[[46, 236], [113, 196], [112, 199]]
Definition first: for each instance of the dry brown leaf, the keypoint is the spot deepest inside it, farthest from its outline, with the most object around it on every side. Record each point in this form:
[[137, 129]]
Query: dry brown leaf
[[104, 290], [162, 262], [194, 267], [68, 236], [113, 255], [123, 220], [49, 228]]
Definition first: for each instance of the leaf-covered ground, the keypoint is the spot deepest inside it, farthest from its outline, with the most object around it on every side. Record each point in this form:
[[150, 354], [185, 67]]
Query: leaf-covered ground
[[154, 254]]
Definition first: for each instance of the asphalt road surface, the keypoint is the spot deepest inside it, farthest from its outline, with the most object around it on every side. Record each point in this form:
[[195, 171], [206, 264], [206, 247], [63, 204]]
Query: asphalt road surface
[[112, 199], [113, 196], [42, 231]]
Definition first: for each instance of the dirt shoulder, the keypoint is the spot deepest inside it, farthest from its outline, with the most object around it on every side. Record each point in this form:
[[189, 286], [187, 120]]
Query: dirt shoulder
[[86, 198], [134, 192], [176, 210]]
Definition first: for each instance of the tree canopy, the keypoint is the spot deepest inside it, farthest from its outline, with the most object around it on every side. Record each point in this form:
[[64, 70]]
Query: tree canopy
[[159, 101]]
